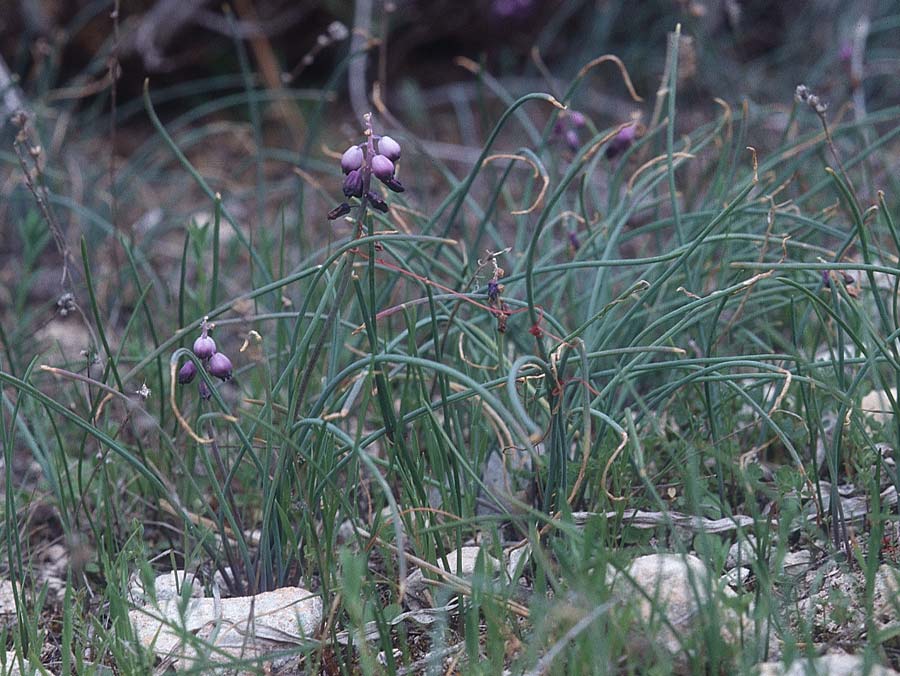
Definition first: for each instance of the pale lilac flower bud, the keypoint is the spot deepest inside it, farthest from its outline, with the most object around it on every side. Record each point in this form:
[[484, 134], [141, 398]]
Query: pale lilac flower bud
[[577, 119], [187, 372], [621, 141], [204, 346], [353, 184], [220, 366], [382, 167], [351, 159], [389, 148], [571, 137]]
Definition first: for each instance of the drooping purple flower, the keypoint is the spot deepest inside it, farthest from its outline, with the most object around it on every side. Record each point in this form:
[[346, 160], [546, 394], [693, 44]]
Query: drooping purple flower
[[621, 141], [353, 184], [493, 290], [377, 203], [389, 148], [382, 167], [394, 184], [341, 209], [187, 372], [204, 346], [205, 392], [352, 159], [220, 366]]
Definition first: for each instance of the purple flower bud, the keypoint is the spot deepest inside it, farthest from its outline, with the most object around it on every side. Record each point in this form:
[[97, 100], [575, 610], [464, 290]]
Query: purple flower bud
[[627, 134], [187, 373], [493, 290], [341, 209], [204, 346], [389, 148], [394, 184], [220, 366], [205, 392], [377, 203], [572, 140], [574, 241], [382, 167], [353, 184], [577, 119], [621, 141], [351, 159]]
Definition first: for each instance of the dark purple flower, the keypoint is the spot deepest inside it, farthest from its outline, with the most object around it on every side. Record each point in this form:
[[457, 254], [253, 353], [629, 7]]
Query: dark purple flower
[[351, 159], [353, 184], [205, 392], [377, 203], [573, 241], [394, 184], [382, 167], [187, 372], [204, 346], [493, 290], [389, 148], [341, 209], [220, 366]]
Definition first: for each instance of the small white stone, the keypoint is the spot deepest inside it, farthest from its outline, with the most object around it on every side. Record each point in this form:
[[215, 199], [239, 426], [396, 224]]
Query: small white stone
[[737, 578], [826, 665], [797, 562], [741, 552], [247, 626]]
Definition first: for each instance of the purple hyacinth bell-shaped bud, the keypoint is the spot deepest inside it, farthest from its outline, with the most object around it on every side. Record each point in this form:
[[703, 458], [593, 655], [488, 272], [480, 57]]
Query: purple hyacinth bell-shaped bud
[[353, 184], [621, 141], [383, 168], [187, 372], [389, 148], [352, 159], [204, 346], [220, 366]]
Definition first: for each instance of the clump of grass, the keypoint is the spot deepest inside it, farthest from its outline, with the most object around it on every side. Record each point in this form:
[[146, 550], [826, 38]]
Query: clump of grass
[[668, 328]]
